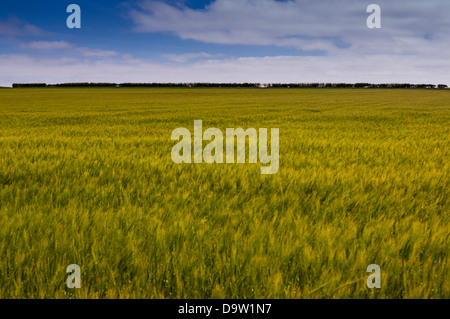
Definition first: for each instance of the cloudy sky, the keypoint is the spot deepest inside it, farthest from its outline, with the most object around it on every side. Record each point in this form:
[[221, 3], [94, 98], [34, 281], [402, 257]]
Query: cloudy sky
[[267, 41]]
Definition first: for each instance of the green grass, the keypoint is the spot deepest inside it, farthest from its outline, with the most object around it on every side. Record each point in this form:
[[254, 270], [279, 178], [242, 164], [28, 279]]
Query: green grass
[[86, 178]]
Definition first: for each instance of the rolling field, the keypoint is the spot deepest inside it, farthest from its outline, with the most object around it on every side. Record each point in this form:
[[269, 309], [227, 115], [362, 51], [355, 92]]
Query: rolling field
[[86, 177]]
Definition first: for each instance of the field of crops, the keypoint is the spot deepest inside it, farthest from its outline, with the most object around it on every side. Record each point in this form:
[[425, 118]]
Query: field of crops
[[86, 178]]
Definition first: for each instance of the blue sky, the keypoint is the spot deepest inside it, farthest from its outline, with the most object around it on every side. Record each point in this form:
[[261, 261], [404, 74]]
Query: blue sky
[[225, 41]]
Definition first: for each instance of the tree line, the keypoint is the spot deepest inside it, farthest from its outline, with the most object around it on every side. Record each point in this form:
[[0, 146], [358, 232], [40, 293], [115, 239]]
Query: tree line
[[235, 85]]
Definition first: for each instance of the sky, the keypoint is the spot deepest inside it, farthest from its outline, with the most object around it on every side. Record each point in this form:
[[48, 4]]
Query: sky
[[264, 41]]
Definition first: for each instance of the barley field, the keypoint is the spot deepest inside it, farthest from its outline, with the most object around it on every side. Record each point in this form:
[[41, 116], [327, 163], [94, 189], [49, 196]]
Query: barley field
[[86, 178]]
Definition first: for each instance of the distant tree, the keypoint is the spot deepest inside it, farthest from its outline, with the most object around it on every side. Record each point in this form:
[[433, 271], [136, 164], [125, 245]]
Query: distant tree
[[29, 85]]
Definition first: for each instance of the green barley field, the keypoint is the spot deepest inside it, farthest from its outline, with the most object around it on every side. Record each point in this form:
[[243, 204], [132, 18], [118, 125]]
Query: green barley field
[[86, 178]]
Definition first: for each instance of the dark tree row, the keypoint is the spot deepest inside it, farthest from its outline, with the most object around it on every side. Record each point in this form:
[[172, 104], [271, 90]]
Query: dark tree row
[[40, 85], [98, 85], [29, 85], [238, 85], [192, 85], [357, 85]]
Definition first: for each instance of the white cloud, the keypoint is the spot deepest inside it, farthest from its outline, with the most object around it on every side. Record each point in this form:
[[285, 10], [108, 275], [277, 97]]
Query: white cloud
[[15, 27], [89, 52], [46, 45], [302, 24], [70, 47], [182, 58]]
